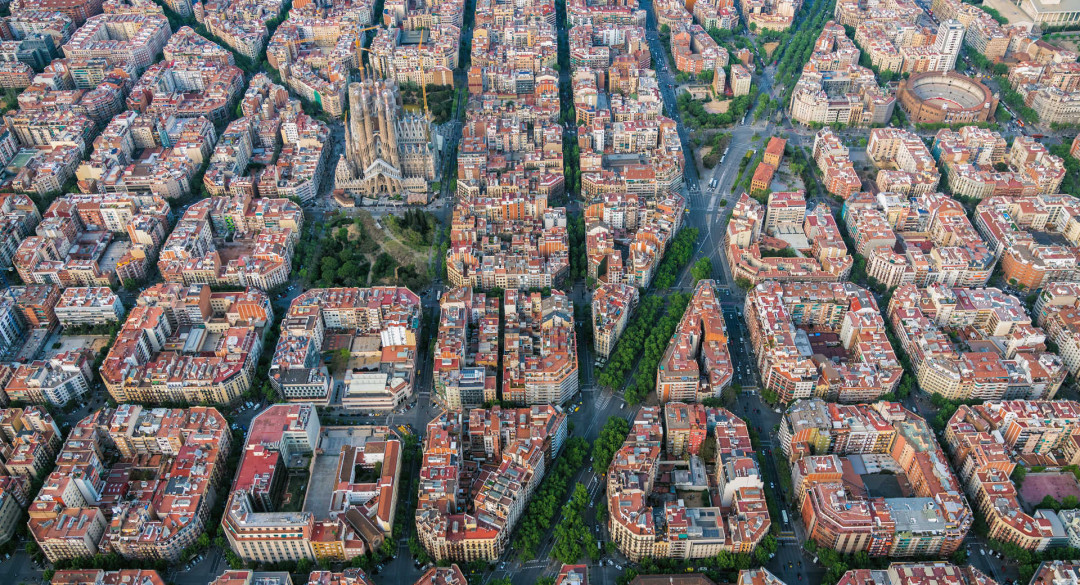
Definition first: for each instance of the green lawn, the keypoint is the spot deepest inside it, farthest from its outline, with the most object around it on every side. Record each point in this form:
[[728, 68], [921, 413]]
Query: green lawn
[[293, 501]]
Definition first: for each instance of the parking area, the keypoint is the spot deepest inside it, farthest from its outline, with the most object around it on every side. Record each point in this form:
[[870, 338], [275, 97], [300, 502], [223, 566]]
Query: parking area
[[67, 343], [323, 469]]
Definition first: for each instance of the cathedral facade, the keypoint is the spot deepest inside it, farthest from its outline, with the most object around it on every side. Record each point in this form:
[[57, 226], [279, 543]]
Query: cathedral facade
[[387, 151]]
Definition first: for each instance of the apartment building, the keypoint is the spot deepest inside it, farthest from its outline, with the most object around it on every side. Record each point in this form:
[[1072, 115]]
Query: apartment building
[[360, 498], [784, 211], [827, 259], [271, 122], [188, 88], [465, 365], [791, 324], [924, 573], [1020, 367], [76, 10], [262, 238], [650, 224], [695, 51], [89, 504], [429, 63], [536, 255], [849, 518], [612, 305], [88, 306], [834, 162], [77, 245], [18, 218], [103, 577], [904, 164], [770, 14], [539, 351], [57, 380], [833, 88], [28, 446], [187, 45], [148, 152], [241, 25], [1055, 313], [451, 575], [972, 155], [1010, 225], [131, 38], [938, 242], [685, 532], [187, 344], [35, 304], [989, 440], [696, 364], [378, 327], [477, 476]]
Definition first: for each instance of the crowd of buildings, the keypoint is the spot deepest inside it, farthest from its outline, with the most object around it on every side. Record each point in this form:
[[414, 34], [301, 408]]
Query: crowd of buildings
[[733, 519], [835, 89], [979, 163], [29, 443], [1055, 311], [187, 344], [1034, 238], [627, 234], [94, 240], [237, 241], [989, 440], [920, 239], [891, 35], [538, 351], [612, 305], [479, 469], [903, 162], [240, 24], [510, 161], [421, 42], [755, 229], [134, 481], [377, 327], [345, 511], [628, 147], [697, 362], [896, 573], [835, 449], [276, 134], [630, 156], [314, 55], [974, 344], [818, 339]]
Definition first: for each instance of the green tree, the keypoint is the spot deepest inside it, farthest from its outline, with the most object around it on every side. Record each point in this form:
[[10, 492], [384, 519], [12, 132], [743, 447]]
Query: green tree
[[388, 547], [611, 438], [702, 269]]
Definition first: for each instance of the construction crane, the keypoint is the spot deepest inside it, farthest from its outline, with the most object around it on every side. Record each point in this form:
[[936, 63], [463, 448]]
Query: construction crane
[[423, 83], [360, 40]]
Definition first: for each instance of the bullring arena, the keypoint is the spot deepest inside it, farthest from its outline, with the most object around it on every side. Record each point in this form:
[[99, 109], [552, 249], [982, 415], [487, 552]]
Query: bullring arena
[[946, 97]]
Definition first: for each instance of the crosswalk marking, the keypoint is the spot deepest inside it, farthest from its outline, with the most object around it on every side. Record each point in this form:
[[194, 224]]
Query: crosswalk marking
[[602, 403]]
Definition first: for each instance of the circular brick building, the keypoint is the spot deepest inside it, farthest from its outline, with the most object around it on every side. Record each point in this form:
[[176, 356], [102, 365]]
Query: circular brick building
[[945, 97]]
